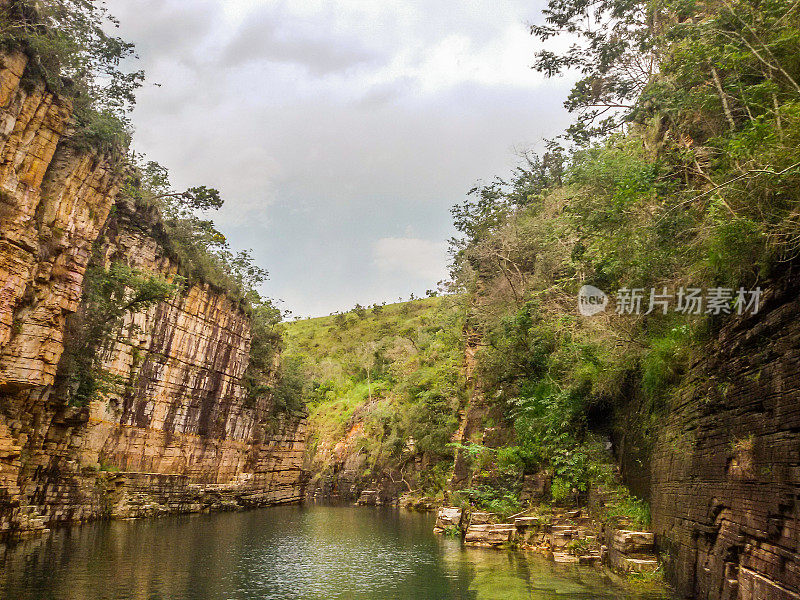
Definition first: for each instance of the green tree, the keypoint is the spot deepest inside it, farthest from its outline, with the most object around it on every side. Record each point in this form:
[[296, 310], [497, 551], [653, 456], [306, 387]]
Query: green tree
[[67, 43], [265, 341], [68, 46], [614, 50], [109, 294]]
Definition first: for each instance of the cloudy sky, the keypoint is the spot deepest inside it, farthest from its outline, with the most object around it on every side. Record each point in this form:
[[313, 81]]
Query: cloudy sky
[[339, 133]]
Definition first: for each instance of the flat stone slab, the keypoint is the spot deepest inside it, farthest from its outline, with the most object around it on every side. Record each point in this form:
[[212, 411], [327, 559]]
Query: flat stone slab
[[368, 498], [640, 565], [563, 529], [522, 522], [564, 558], [630, 564], [482, 518], [628, 542], [490, 534], [448, 517]]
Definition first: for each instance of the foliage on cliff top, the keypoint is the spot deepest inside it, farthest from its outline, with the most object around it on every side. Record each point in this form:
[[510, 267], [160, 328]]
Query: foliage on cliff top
[[387, 381], [69, 48], [201, 251]]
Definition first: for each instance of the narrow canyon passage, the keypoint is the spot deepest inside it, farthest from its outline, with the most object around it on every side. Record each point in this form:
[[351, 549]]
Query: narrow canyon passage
[[533, 268]]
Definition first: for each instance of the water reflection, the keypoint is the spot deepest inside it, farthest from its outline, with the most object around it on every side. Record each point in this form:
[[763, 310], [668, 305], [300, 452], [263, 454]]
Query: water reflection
[[494, 574], [286, 552]]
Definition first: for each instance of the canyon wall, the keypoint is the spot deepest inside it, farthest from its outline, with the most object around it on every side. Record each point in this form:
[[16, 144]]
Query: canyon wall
[[179, 434], [723, 469]]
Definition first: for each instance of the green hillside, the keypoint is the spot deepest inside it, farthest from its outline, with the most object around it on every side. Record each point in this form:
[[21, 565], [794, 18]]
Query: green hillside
[[388, 380]]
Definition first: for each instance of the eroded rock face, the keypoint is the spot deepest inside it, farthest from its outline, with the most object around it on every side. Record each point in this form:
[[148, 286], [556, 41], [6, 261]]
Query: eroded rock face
[[337, 472], [181, 435], [726, 466], [184, 409], [54, 199]]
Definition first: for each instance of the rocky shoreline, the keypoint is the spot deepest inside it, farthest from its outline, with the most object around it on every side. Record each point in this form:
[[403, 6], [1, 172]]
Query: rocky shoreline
[[565, 536]]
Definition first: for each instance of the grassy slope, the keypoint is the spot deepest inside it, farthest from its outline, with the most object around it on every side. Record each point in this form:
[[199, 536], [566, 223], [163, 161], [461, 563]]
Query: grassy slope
[[388, 380]]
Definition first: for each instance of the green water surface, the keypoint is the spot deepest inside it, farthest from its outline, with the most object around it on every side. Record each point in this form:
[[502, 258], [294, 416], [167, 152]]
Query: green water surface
[[314, 552]]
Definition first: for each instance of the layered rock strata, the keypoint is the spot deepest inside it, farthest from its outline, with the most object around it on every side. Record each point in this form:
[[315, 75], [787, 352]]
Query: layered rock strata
[[181, 434], [725, 470]]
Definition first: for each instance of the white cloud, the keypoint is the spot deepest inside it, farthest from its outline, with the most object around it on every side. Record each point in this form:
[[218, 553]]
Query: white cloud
[[423, 259]]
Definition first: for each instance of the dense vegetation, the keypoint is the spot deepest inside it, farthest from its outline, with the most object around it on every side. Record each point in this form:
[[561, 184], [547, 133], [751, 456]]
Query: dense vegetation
[[388, 381], [681, 171], [70, 50]]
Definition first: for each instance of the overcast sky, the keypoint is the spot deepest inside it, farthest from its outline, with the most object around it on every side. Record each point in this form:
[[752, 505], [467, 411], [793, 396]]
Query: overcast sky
[[339, 133]]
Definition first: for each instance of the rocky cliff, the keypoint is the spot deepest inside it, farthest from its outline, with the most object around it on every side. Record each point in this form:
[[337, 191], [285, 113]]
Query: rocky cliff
[[180, 433], [719, 460], [725, 470]]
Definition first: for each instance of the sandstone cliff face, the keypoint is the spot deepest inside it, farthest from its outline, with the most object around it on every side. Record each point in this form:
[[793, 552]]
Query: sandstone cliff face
[[181, 435], [337, 471], [184, 409], [53, 202]]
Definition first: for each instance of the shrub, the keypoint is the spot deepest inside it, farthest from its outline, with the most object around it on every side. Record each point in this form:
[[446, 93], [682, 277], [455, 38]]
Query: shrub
[[109, 294]]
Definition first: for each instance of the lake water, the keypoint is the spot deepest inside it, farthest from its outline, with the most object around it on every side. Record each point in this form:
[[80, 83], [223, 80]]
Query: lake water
[[314, 552]]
